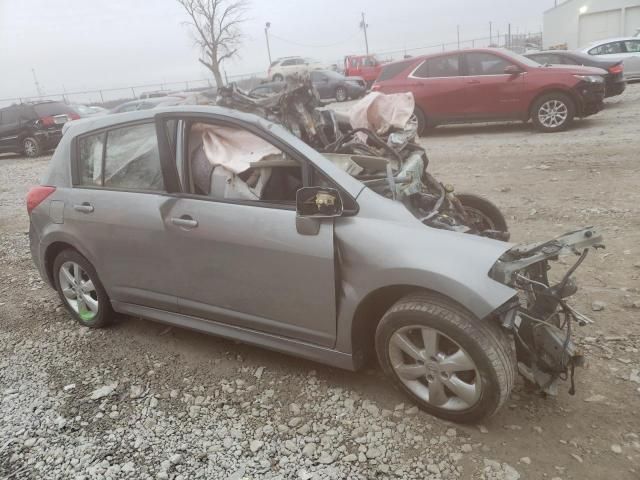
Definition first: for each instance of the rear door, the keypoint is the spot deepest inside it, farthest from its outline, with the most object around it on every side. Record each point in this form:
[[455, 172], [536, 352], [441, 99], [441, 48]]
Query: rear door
[[241, 259], [632, 58], [115, 211], [491, 93], [9, 128], [439, 88]]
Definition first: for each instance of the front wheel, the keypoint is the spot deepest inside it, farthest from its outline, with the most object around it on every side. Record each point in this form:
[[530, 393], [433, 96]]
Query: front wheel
[[553, 112], [482, 213], [31, 147], [453, 365], [81, 291]]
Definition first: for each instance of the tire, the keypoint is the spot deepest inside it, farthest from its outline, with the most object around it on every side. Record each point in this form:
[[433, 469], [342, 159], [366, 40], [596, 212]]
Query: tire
[[97, 317], [341, 94], [482, 374], [422, 121], [31, 147], [485, 214], [561, 111], [278, 78]]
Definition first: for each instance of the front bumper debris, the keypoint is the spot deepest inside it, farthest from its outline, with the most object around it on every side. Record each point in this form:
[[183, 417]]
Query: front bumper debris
[[540, 318]]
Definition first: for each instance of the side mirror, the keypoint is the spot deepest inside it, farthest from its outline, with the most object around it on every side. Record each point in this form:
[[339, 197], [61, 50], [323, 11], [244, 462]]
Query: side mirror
[[512, 70], [318, 202]]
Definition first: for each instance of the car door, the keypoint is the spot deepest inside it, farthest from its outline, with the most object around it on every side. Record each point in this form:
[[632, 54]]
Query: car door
[[114, 210], [632, 58], [9, 128], [321, 83], [491, 93], [438, 87], [241, 259]]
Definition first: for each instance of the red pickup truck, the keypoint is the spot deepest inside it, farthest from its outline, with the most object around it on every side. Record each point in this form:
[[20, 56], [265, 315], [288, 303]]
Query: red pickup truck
[[366, 66]]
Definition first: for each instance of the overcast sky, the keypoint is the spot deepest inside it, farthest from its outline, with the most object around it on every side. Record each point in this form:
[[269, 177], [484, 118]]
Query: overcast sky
[[93, 44]]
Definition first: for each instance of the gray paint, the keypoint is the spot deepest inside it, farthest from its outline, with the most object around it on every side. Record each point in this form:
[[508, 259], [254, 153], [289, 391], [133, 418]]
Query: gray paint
[[246, 272]]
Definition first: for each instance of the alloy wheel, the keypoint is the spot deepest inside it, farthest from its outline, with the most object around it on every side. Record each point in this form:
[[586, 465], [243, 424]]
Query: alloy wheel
[[553, 113], [341, 94], [435, 368], [30, 147], [78, 290]]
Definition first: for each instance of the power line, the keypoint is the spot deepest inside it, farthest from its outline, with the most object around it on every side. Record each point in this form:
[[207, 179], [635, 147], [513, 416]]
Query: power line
[[313, 46]]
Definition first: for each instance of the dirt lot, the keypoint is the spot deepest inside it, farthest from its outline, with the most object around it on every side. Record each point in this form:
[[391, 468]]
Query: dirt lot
[[181, 405]]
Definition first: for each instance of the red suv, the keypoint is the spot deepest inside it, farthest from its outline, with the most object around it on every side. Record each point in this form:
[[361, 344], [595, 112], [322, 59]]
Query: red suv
[[481, 85]]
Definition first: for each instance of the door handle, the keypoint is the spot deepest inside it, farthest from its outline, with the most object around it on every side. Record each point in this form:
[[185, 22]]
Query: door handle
[[184, 222], [85, 207]]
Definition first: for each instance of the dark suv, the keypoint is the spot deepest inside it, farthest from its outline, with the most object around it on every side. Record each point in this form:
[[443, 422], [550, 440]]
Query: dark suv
[[32, 128]]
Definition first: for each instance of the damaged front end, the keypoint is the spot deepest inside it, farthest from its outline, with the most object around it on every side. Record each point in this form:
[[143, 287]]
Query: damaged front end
[[540, 318], [376, 144]]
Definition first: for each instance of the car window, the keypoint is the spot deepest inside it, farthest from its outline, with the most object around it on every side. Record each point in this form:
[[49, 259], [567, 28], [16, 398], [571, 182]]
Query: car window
[[286, 63], [129, 160], [90, 151], [52, 108], [230, 163], [318, 77], [608, 49], [632, 46], [481, 63], [445, 66], [127, 108], [391, 70], [370, 62], [132, 160], [10, 116]]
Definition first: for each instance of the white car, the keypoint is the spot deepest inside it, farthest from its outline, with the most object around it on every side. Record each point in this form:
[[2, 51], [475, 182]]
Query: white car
[[286, 66], [623, 48]]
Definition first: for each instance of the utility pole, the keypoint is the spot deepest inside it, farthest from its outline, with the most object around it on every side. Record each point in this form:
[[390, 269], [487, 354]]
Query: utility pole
[[266, 34], [490, 33], [363, 26], [35, 80], [458, 28], [509, 41]]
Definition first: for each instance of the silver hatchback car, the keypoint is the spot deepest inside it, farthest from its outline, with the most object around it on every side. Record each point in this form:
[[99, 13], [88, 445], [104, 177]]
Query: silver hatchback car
[[225, 223]]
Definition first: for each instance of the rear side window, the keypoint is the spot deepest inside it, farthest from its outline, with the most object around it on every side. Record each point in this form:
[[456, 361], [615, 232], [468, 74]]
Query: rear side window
[[393, 69], [445, 66], [122, 158], [90, 150], [633, 46], [480, 63], [608, 49], [50, 109]]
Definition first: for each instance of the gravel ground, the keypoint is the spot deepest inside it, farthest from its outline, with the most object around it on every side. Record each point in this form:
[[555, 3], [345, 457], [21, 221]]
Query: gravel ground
[[141, 401]]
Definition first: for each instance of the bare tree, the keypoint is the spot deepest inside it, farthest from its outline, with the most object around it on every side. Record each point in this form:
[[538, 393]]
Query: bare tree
[[217, 32]]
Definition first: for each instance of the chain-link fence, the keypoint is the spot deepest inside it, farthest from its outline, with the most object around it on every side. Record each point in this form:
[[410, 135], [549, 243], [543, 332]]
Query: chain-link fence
[[110, 97]]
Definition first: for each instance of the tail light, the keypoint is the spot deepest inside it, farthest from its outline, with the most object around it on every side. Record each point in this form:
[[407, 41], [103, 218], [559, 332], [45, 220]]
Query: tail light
[[37, 195], [616, 69]]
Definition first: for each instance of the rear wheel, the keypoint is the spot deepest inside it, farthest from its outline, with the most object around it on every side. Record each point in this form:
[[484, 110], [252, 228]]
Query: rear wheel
[[278, 78], [450, 363], [81, 291], [553, 112], [483, 214], [341, 94], [31, 147]]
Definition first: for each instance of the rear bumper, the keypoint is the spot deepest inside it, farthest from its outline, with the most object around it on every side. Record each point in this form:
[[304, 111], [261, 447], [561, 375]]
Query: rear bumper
[[615, 87], [591, 95]]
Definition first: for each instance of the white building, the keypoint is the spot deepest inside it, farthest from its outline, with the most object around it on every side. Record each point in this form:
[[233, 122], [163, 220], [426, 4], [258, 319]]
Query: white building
[[576, 23]]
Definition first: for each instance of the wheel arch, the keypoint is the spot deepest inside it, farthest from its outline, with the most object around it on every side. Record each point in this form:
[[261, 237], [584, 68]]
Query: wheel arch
[[557, 90], [50, 254], [370, 311]]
